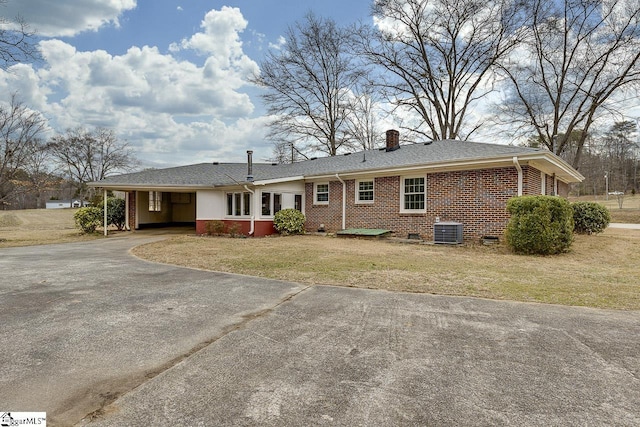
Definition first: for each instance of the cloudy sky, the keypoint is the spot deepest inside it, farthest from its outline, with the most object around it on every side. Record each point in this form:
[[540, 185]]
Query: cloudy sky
[[169, 76]]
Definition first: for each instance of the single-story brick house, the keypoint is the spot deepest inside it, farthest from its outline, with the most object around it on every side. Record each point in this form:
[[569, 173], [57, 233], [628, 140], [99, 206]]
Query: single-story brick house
[[402, 188]]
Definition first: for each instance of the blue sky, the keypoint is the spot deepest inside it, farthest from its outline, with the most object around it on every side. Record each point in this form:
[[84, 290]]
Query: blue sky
[[169, 76]]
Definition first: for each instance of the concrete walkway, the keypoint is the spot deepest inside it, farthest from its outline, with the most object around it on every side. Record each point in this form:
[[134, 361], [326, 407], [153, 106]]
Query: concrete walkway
[[626, 226], [94, 336]]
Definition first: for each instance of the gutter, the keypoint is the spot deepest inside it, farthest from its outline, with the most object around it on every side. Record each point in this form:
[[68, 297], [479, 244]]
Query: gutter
[[519, 168], [344, 202], [253, 215]]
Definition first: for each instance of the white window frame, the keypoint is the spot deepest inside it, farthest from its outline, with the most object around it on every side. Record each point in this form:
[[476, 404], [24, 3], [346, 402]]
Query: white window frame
[[155, 201], [543, 183], [242, 197], [272, 203], [315, 193], [373, 191], [402, 194]]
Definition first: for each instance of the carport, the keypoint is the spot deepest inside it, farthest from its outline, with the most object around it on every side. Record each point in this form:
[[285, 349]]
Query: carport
[[157, 207]]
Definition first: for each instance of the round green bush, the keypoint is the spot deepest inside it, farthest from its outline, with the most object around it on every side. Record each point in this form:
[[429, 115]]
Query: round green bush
[[541, 225], [289, 221], [88, 219], [590, 217]]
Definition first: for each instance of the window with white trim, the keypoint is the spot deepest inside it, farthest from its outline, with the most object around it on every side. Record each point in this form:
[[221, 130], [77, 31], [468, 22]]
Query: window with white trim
[[271, 203], [413, 194], [239, 204], [155, 201], [321, 193], [364, 191]]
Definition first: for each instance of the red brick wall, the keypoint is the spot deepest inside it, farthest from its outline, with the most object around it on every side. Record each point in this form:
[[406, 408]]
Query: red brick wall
[[475, 198], [531, 182], [563, 189], [132, 209], [261, 228]]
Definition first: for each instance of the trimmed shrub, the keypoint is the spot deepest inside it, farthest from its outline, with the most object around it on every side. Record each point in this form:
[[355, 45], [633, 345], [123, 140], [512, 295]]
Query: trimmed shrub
[[88, 219], [289, 221], [541, 225], [214, 228], [115, 212], [234, 230], [590, 217]]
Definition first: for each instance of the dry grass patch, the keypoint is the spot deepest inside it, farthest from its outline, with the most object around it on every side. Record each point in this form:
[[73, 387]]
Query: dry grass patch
[[39, 227], [601, 270]]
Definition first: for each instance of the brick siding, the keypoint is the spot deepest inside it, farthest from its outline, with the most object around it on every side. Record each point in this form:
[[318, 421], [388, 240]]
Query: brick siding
[[132, 209], [476, 198]]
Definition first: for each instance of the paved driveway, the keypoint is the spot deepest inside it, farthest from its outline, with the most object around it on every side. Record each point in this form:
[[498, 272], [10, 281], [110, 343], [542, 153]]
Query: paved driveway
[[86, 325]]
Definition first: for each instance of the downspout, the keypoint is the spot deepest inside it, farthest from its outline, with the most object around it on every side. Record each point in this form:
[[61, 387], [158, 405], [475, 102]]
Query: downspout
[[253, 216], [519, 168], [344, 202], [104, 200]]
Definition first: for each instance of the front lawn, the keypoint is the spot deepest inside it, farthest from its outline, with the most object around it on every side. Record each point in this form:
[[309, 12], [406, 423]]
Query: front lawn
[[600, 271]]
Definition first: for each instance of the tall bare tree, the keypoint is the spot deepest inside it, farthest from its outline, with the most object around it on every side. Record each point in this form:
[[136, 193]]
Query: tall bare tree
[[577, 55], [436, 57], [17, 41], [38, 173], [19, 131], [91, 155], [363, 124], [309, 85]]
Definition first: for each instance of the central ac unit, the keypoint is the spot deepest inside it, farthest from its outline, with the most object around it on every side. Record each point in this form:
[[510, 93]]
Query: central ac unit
[[447, 232]]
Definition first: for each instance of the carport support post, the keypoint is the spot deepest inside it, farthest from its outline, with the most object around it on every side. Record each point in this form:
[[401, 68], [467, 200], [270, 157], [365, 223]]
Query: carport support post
[[104, 201]]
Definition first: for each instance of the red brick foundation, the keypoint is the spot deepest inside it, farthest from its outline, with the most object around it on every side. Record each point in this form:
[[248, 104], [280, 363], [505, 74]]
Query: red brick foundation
[[261, 228]]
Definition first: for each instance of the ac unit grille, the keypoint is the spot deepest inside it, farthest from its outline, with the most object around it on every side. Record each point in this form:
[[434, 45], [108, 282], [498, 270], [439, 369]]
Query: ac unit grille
[[447, 232]]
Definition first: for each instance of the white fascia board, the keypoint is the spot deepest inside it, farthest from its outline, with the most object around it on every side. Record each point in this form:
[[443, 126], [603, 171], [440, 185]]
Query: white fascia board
[[562, 169], [278, 180], [552, 164]]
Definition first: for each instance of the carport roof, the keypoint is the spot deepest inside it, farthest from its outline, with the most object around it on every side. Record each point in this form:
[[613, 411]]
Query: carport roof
[[443, 155]]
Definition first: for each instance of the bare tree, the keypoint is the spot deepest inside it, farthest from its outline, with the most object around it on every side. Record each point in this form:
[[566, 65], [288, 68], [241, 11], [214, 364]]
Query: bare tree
[[619, 155], [436, 57], [308, 85], [38, 176], [363, 123], [576, 56], [19, 131], [17, 41], [88, 156]]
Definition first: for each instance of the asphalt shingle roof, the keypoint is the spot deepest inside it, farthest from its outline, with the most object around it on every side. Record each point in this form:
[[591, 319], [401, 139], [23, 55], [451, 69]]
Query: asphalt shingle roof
[[220, 174]]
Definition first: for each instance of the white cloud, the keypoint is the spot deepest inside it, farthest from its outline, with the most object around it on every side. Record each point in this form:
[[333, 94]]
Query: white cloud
[[179, 8], [171, 111], [69, 17], [279, 44]]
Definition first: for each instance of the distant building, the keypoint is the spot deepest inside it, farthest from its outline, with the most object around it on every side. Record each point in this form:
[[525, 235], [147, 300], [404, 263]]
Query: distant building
[[66, 204]]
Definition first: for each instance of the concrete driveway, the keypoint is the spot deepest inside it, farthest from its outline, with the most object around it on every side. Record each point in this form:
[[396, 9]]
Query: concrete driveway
[[96, 337]]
